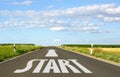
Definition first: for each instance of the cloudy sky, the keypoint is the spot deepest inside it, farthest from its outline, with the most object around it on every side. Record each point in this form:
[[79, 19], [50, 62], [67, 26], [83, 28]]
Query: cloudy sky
[[55, 22]]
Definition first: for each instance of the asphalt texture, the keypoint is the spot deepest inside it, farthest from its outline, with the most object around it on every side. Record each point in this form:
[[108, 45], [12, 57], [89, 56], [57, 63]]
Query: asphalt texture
[[98, 68]]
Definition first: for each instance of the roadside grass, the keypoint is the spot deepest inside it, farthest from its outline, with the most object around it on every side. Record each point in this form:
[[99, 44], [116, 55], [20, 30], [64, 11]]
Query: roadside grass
[[7, 51], [112, 54], [77, 49]]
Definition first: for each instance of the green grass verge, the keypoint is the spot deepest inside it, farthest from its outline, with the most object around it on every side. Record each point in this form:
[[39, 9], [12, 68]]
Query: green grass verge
[[97, 52], [6, 51]]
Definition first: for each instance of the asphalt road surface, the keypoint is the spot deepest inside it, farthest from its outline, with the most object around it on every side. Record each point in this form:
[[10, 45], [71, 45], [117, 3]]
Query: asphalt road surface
[[56, 62]]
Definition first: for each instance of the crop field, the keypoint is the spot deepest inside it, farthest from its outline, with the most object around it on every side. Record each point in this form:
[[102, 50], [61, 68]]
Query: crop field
[[7, 50], [111, 52]]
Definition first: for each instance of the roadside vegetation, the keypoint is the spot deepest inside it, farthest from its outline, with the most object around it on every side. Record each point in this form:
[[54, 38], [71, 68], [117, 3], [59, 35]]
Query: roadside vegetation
[[110, 52], [7, 50]]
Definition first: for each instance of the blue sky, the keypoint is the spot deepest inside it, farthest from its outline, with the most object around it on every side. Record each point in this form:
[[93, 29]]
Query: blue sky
[[56, 22]]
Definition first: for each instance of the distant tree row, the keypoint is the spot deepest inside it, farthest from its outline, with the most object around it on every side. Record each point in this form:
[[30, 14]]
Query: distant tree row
[[95, 45], [15, 44]]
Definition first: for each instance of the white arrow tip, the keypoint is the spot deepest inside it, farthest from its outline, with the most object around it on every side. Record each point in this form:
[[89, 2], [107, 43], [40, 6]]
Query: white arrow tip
[[51, 53]]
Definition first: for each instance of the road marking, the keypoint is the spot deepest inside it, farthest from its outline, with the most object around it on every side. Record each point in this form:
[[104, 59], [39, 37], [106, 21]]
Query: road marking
[[64, 63], [80, 66], [56, 66], [28, 67], [52, 65], [39, 66], [51, 53]]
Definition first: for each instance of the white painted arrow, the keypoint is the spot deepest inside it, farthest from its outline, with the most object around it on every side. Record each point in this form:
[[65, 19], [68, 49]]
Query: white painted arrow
[[51, 53]]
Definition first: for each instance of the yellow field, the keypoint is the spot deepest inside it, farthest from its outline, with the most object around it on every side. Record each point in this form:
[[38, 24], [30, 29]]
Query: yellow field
[[111, 49], [112, 54]]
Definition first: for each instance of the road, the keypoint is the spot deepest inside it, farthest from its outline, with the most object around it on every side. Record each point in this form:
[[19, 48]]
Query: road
[[56, 62]]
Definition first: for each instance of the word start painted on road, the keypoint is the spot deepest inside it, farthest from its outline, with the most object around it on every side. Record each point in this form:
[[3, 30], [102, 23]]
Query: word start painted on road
[[56, 66]]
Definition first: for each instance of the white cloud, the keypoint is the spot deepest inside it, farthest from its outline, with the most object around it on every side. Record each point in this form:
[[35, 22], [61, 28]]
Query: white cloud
[[113, 10], [110, 19], [109, 11], [26, 2], [57, 28], [71, 19]]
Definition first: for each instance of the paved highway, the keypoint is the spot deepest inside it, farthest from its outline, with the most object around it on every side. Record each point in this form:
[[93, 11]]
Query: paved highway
[[56, 62]]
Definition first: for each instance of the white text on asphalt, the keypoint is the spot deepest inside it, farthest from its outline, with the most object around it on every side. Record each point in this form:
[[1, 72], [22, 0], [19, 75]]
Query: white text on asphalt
[[52, 66]]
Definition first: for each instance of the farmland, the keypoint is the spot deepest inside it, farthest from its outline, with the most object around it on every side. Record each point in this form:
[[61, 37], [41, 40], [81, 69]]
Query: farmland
[[7, 50], [108, 52]]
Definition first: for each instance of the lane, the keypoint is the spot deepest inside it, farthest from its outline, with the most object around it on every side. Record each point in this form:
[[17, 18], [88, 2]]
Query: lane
[[53, 61]]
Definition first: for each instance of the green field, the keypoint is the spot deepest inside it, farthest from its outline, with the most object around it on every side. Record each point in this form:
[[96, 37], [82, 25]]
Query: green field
[[110, 52], [7, 50]]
